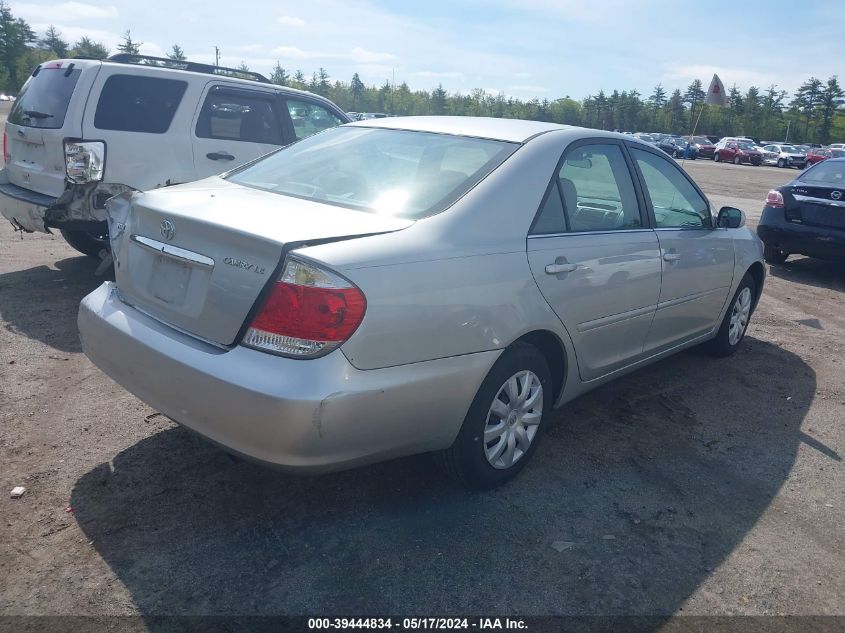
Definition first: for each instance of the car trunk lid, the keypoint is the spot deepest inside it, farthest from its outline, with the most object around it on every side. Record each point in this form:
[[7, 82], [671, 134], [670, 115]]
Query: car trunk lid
[[198, 256], [819, 206]]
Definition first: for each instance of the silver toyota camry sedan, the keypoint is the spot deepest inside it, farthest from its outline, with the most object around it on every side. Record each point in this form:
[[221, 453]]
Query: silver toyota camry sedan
[[407, 285]]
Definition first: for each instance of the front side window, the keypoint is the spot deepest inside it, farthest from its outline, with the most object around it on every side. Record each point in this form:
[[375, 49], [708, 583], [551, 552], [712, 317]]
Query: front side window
[[597, 191], [130, 103], [676, 203], [309, 118], [239, 116], [394, 172]]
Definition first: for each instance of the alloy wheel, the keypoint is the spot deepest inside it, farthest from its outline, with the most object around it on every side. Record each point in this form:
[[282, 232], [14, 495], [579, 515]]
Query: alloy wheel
[[740, 313]]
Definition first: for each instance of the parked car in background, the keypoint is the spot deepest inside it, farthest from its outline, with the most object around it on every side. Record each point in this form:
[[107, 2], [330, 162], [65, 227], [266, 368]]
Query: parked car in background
[[836, 146], [784, 156], [84, 130], [305, 310], [678, 147], [738, 152], [704, 147], [817, 154], [366, 116], [647, 138], [806, 216]]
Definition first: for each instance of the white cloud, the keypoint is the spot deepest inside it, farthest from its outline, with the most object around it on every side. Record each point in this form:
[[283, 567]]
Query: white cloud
[[287, 20], [433, 74], [528, 88], [357, 54], [364, 56], [70, 11], [291, 52]]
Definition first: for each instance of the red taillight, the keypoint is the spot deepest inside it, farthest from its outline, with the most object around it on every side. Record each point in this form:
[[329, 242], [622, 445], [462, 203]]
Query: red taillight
[[309, 312], [774, 199], [5, 150]]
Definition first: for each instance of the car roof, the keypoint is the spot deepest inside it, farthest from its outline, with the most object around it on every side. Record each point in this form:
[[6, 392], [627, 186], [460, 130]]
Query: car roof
[[512, 130]]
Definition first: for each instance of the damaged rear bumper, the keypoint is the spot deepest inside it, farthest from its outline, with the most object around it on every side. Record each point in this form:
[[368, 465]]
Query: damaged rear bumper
[[25, 209], [303, 415]]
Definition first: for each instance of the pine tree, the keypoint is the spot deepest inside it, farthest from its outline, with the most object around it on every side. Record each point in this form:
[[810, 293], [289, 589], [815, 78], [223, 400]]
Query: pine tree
[[357, 88], [128, 45], [15, 37], [53, 42], [88, 48], [177, 54], [279, 75], [438, 100], [829, 103]]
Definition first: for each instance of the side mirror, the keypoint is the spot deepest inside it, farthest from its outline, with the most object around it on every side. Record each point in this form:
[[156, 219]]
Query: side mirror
[[730, 218]]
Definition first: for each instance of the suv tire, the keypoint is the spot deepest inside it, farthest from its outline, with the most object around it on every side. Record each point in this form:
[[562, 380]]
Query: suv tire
[[774, 255], [89, 243]]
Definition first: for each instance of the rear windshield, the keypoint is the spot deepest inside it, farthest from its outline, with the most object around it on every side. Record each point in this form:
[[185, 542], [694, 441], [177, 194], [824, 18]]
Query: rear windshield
[[44, 98], [827, 172], [394, 172]]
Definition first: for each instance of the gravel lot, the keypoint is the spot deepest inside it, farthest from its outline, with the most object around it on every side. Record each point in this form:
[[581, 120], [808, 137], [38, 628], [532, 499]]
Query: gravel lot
[[695, 486]]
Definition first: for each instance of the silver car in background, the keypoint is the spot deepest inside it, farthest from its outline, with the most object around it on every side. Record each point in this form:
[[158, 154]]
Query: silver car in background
[[784, 156], [406, 285]]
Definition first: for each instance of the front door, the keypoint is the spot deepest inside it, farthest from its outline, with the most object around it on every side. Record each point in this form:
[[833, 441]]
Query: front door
[[697, 259], [594, 258], [234, 126]]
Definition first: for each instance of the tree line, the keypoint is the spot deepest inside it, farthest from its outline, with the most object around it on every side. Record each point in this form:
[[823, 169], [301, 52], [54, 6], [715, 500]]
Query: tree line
[[814, 113]]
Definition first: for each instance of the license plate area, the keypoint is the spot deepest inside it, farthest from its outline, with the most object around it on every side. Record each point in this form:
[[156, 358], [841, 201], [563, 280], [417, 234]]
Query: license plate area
[[170, 280]]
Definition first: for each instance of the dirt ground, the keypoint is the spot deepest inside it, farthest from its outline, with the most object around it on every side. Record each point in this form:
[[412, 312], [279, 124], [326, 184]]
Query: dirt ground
[[694, 486]]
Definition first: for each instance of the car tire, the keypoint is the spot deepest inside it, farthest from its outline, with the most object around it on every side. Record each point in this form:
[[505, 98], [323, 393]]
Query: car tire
[[781, 163], [737, 160], [89, 243], [472, 461], [716, 158], [735, 323], [774, 255]]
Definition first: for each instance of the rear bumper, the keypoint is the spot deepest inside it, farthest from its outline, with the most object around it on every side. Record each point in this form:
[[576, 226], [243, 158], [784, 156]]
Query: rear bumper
[[306, 415], [25, 209], [801, 239]]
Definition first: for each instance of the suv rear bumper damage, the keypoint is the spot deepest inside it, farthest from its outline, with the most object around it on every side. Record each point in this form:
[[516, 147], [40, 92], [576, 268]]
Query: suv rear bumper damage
[[80, 207]]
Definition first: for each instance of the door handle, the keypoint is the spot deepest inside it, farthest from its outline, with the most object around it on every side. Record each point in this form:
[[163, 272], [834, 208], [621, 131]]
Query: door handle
[[219, 156], [556, 269], [671, 257]]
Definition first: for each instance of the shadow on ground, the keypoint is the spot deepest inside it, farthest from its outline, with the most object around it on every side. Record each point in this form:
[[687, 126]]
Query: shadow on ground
[[644, 485], [41, 303], [812, 272]]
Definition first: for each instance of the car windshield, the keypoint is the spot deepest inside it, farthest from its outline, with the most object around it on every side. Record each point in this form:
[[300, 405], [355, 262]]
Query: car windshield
[[645, 137], [789, 148], [746, 146], [828, 172], [701, 140], [394, 172]]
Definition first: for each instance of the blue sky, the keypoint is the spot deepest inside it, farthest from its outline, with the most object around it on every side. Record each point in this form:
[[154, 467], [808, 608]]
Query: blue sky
[[523, 48]]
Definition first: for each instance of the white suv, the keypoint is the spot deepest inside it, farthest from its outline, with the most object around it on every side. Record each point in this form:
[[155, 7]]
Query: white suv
[[83, 130]]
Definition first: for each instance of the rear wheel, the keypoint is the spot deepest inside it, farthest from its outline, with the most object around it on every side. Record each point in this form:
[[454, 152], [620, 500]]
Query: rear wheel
[[781, 163], [774, 255], [505, 421], [716, 158], [735, 323], [89, 243]]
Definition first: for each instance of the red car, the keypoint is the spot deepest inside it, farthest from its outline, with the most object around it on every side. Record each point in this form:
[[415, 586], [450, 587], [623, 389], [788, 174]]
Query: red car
[[818, 154], [738, 152], [705, 148]]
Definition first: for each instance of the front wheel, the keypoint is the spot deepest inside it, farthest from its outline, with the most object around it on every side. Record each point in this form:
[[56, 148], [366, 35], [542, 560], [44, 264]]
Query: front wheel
[[774, 255], [716, 157], [737, 160], [89, 243], [735, 323], [504, 423], [781, 163]]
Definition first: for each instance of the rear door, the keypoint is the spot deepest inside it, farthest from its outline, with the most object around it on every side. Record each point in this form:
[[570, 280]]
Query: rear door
[[48, 110], [594, 257], [234, 125], [697, 259]]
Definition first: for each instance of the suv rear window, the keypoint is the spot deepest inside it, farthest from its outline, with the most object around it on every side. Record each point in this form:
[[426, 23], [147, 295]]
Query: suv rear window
[[129, 103], [44, 99]]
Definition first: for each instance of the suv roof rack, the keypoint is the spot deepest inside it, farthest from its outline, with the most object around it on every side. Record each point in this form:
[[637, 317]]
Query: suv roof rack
[[175, 64]]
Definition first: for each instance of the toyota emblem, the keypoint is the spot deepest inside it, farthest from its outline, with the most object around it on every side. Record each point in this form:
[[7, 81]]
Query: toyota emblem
[[168, 230], [836, 195]]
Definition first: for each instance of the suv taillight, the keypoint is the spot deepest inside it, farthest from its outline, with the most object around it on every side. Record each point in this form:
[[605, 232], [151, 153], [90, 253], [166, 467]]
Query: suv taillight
[[309, 312], [85, 161], [774, 199]]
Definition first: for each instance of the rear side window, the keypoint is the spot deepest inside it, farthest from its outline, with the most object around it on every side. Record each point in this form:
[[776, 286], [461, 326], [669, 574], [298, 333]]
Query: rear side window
[[239, 116], [44, 98], [129, 103]]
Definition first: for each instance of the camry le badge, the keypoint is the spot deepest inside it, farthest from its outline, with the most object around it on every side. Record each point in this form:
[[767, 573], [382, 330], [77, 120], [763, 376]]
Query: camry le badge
[[167, 229]]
